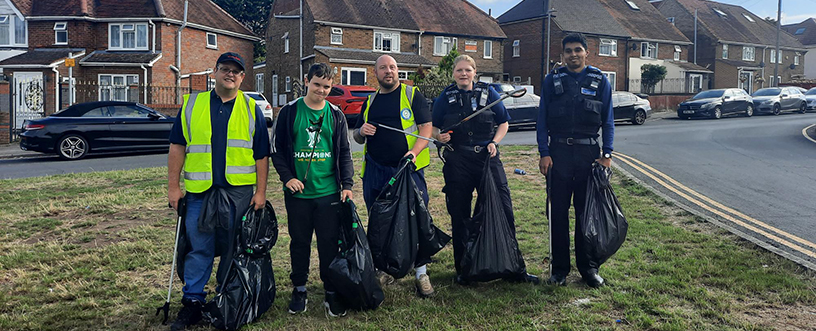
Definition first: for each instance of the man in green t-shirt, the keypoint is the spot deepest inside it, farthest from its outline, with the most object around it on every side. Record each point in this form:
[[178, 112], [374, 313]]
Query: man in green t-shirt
[[311, 153]]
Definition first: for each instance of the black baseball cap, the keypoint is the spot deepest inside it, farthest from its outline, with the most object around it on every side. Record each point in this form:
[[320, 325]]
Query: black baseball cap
[[231, 57]]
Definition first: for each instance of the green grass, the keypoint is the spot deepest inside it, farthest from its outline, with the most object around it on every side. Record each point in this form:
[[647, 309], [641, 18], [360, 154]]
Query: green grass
[[93, 251]]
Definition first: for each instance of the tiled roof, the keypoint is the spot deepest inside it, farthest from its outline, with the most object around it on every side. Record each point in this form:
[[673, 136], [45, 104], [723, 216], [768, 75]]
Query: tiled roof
[[339, 54], [688, 66], [135, 58], [585, 16], [738, 63], [40, 56], [808, 35], [644, 23]]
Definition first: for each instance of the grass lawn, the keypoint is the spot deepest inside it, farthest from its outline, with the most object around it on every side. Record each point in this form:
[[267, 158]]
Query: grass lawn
[[93, 251]]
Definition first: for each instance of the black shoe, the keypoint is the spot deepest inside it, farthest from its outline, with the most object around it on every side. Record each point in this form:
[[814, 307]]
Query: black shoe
[[593, 280], [461, 280], [557, 279], [190, 314], [298, 302], [528, 278], [334, 307]]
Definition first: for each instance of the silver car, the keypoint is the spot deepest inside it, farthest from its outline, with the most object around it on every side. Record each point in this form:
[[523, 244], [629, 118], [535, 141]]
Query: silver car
[[774, 100], [810, 96], [265, 106]]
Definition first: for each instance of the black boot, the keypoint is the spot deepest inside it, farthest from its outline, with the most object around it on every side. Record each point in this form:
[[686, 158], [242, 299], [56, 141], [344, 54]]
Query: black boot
[[190, 314]]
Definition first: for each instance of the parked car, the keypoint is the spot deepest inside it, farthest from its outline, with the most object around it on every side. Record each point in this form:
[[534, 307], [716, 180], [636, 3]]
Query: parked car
[[265, 106], [716, 103], [99, 126], [523, 110], [810, 97], [350, 99], [774, 100], [630, 107], [799, 88]]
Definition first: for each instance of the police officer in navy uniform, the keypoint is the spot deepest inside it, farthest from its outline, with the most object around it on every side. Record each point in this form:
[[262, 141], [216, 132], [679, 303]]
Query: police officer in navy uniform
[[471, 140], [576, 102]]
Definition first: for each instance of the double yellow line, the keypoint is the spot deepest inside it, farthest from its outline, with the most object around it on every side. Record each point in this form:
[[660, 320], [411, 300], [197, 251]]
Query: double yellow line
[[783, 238]]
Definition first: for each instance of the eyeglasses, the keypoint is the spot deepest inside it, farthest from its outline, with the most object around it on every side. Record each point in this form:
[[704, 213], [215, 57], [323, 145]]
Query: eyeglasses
[[227, 71]]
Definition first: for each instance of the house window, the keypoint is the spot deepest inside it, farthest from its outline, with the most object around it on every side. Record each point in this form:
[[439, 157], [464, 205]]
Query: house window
[[259, 82], [5, 33], [119, 88], [403, 75], [799, 31], [288, 87], [212, 40], [60, 33], [516, 50], [336, 36], [285, 42], [696, 83], [127, 36], [748, 53], [387, 42], [796, 59], [609, 47], [488, 49], [648, 50], [353, 76], [632, 5], [443, 45], [20, 31], [776, 58], [748, 18], [516, 79], [725, 51], [677, 51], [612, 77], [775, 83], [720, 12]]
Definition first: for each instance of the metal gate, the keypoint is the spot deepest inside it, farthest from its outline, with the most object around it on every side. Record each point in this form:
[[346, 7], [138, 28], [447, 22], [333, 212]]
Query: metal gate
[[29, 98]]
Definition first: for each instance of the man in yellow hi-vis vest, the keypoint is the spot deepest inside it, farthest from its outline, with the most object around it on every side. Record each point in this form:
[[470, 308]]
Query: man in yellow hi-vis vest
[[221, 141], [400, 106]]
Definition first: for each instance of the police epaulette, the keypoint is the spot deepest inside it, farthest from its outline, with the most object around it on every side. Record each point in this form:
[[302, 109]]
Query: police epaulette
[[594, 70]]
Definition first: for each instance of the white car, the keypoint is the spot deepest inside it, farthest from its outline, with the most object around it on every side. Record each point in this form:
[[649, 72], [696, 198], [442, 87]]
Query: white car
[[266, 107], [810, 96]]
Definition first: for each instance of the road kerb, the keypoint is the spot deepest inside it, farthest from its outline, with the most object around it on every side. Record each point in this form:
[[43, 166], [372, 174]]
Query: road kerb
[[804, 133]]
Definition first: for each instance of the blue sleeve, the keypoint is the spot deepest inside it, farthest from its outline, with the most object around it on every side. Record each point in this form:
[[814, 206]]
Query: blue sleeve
[[501, 114], [260, 141], [608, 118], [176, 134], [438, 114], [542, 134]]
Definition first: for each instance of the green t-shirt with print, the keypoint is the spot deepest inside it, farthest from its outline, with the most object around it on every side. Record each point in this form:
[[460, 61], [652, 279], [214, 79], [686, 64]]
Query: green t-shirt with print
[[320, 181]]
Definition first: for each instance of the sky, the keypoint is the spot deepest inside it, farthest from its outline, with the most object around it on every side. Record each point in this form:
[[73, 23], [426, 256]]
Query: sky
[[793, 11]]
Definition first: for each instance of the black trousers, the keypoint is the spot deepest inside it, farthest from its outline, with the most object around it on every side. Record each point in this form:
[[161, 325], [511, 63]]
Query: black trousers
[[463, 171], [568, 180], [321, 216]]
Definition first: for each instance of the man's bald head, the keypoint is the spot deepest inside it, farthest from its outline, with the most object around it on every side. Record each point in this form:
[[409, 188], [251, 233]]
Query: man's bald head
[[386, 71]]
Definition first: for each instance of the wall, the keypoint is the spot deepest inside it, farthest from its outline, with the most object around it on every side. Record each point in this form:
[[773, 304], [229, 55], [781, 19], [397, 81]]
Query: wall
[[667, 101], [493, 67], [5, 132], [810, 59], [528, 63]]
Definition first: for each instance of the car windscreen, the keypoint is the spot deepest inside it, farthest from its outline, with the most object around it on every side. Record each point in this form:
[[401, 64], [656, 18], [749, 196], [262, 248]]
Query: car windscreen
[[363, 94], [767, 92], [811, 92], [709, 94], [256, 96]]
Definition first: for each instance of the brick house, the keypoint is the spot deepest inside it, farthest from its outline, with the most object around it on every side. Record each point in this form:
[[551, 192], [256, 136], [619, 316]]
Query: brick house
[[736, 44], [805, 32], [622, 35], [122, 50], [350, 35]]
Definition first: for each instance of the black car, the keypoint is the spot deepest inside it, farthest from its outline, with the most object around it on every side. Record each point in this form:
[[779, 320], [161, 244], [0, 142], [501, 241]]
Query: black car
[[630, 107], [97, 126], [773, 100], [523, 110], [716, 103]]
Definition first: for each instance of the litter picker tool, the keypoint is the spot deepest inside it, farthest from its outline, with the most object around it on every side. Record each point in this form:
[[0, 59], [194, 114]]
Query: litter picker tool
[[549, 220], [510, 94], [440, 146], [182, 210]]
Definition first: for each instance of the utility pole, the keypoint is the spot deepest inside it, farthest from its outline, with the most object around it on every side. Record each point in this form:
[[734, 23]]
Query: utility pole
[[545, 62], [695, 36], [776, 60]]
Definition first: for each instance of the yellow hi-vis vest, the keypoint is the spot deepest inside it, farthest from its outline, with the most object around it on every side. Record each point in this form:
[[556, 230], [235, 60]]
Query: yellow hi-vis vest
[[197, 129], [408, 124]]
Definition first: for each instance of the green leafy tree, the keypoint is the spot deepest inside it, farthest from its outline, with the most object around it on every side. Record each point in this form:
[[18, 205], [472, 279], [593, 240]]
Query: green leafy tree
[[650, 75], [254, 14]]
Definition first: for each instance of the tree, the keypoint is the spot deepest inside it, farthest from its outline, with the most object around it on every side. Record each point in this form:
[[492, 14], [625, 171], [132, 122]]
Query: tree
[[254, 14], [650, 75], [442, 74]]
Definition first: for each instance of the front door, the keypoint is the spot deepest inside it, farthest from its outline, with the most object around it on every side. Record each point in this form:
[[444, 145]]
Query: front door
[[275, 91], [746, 81], [29, 97]]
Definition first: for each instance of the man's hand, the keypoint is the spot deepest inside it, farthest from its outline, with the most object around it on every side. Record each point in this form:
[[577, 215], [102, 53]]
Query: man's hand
[[259, 200], [174, 194], [294, 185], [367, 129], [345, 194], [545, 164], [444, 137], [604, 162], [413, 156], [491, 148]]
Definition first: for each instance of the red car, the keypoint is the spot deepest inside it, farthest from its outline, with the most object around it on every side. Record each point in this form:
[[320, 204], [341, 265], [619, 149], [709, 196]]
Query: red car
[[350, 99]]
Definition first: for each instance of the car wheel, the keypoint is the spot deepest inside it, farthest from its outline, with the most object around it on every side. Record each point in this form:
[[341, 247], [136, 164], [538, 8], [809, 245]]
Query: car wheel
[[72, 147], [717, 113], [639, 118], [777, 109], [749, 111], [803, 108]]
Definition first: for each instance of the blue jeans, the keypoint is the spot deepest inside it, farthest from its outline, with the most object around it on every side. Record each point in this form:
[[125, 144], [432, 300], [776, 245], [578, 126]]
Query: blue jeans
[[198, 263], [377, 175]]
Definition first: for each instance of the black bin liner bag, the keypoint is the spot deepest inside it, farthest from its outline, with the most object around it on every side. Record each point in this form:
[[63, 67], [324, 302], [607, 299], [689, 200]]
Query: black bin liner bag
[[603, 226]]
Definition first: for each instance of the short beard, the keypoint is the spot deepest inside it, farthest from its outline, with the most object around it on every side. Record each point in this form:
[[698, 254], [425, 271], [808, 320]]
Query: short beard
[[385, 85]]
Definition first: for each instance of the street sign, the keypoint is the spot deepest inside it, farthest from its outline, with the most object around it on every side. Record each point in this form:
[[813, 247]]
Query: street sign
[[70, 62]]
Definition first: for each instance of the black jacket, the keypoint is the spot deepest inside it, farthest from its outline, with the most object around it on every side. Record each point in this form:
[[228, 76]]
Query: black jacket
[[283, 155]]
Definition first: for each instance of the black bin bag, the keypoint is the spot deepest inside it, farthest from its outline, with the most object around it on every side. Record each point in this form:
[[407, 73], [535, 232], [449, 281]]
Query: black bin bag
[[352, 272], [491, 251], [249, 287], [603, 227], [401, 233]]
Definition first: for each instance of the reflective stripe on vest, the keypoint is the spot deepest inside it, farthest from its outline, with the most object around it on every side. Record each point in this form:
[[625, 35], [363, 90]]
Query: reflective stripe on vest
[[197, 130], [408, 124]]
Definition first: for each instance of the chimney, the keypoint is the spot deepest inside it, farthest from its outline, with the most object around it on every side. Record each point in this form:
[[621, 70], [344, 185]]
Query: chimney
[[489, 12]]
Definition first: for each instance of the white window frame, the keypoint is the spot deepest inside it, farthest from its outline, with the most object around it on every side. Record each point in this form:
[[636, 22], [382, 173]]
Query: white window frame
[[725, 51], [11, 21], [719, 12], [648, 46], [288, 85], [632, 5], [112, 87], [613, 81], [748, 18], [516, 50], [771, 80], [699, 87], [488, 49], [285, 43], [748, 53], [516, 79], [612, 45], [259, 82], [404, 74], [393, 36], [677, 51], [353, 69], [60, 28], [671, 20], [443, 50], [135, 29], [215, 45], [336, 32], [796, 59]]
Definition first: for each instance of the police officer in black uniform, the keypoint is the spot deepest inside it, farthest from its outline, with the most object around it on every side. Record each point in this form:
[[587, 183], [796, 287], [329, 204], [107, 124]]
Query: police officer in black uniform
[[471, 140], [576, 102]]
